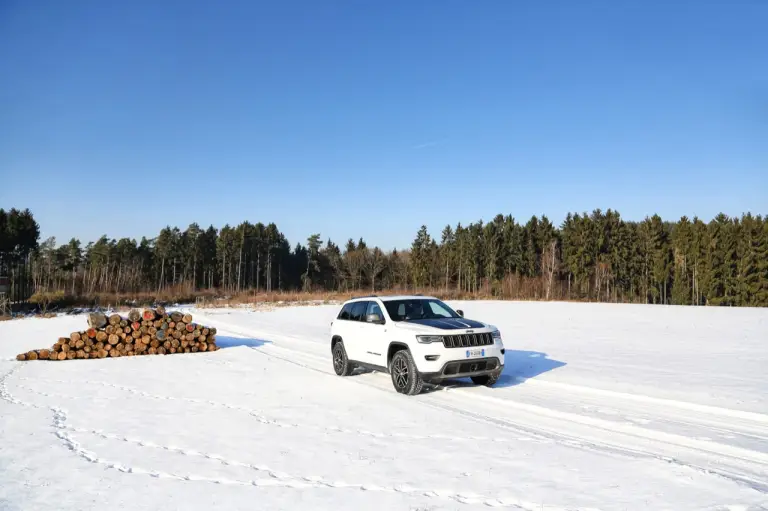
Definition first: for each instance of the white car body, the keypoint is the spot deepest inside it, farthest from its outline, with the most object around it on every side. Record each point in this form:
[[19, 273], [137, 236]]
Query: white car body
[[454, 347]]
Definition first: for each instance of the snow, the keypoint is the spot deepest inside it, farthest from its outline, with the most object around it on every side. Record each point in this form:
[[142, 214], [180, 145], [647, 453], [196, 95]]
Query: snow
[[600, 407]]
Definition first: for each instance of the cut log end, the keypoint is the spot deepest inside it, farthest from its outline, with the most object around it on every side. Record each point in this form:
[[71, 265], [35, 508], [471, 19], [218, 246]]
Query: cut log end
[[97, 320], [119, 338]]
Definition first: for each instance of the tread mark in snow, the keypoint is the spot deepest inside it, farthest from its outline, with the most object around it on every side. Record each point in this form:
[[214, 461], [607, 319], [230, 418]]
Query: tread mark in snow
[[277, 479], [566, 439], [273, 422]]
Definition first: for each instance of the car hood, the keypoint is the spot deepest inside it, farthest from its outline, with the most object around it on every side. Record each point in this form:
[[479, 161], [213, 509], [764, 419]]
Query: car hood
[[430, 325]]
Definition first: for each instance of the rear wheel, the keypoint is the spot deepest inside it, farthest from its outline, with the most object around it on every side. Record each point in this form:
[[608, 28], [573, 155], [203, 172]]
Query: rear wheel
[[405, 376], [341, 364], [486, 379]]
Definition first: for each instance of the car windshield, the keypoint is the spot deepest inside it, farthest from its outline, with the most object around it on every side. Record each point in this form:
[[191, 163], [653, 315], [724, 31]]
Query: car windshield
[[414, 309]]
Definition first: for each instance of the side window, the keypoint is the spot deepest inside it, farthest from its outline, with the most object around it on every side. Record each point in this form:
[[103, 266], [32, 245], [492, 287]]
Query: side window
[[373, 308], [358, 310], [345, 311]]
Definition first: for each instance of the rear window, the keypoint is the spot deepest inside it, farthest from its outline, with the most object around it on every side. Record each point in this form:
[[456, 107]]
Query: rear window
[[354, 311], [344, 314]]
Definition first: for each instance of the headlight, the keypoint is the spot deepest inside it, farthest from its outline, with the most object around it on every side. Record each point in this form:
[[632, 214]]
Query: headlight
[[496, 335], [428, 339]]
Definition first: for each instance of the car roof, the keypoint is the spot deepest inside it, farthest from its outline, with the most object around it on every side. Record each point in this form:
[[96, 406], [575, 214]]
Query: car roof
[[389, 298]]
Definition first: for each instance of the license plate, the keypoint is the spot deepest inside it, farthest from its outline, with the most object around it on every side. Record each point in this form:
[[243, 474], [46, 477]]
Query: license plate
[[475, 353]]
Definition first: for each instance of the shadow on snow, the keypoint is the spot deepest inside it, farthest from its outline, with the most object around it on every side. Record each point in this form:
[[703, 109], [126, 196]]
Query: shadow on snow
[[234, 342], [519, 366]]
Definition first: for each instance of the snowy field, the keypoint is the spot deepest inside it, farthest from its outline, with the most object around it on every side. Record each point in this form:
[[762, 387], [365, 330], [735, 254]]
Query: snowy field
[[607, 407]]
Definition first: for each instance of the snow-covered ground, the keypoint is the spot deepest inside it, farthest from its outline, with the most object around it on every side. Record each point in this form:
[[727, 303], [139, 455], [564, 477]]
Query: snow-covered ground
[[600, 407]]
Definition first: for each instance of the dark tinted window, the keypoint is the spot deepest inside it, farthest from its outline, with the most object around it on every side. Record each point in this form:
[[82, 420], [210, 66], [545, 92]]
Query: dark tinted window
[[358, 311], [403, 310], [344, 314]]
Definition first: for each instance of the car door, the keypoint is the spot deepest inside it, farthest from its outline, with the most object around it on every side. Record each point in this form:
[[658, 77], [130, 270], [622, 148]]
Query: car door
[[354, 340], [373, 339], [340, 325]]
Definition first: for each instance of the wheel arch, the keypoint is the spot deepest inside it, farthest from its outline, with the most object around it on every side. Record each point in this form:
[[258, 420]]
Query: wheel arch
[[394, 347]]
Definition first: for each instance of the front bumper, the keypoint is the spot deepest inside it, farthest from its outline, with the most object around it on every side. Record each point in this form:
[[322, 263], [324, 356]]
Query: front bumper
[[436, 362], [466, 368]]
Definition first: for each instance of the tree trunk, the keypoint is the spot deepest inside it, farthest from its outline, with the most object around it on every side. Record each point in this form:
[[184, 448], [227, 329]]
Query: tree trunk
[[240, 262], [162, 274]]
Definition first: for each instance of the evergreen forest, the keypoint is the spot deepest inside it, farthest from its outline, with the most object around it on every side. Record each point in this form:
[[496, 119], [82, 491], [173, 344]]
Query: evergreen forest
[[595, 256]]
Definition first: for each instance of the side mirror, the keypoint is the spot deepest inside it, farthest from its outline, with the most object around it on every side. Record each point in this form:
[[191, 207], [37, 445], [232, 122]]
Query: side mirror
[[460, 313], [374, 318]]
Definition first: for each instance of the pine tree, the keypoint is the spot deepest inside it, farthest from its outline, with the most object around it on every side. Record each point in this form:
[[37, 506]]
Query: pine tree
[[313, 248], [760, 296], [513, 246], [751, 248], [682, 242], [718, 260], [447, 254], [700, 274], [420, 257]]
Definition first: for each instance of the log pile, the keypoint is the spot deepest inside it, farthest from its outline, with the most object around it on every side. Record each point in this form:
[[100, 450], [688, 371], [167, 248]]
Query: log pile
[[148, 332]]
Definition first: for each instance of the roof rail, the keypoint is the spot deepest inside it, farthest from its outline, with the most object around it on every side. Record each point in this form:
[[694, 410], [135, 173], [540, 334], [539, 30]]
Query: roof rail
[[365, 296]]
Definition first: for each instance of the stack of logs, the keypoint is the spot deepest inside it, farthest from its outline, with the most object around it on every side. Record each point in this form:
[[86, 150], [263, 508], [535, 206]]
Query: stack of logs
[[151, 332]]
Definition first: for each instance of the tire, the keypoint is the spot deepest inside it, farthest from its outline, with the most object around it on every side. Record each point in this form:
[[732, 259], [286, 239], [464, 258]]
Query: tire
[[487, 379], [405, 376], [341, 364]]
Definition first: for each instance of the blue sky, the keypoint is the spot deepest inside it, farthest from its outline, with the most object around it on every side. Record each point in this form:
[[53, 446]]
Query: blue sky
[[372, 118]]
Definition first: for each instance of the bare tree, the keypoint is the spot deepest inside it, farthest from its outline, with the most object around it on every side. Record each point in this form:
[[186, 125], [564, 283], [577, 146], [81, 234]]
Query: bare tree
[[549, 266], [374, 264], [602, 275]]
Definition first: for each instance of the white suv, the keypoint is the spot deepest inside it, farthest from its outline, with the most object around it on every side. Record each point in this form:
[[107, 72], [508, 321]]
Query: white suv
[[415, 339]]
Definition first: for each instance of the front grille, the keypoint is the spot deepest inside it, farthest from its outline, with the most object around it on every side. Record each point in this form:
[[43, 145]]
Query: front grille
[[467, 340]]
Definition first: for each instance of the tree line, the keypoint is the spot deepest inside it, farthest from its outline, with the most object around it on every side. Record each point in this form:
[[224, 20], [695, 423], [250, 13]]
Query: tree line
[[597, 256]]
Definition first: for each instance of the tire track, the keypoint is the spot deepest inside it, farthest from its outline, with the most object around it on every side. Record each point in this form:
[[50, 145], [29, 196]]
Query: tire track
[[262, 418], [699, 455], [63, 431]]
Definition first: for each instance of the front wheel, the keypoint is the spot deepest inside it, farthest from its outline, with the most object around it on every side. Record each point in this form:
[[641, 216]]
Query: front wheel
[[405, 376], [341, 364], [487, 379]]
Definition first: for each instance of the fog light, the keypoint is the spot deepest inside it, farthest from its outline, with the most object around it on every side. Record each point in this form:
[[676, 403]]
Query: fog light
[[431, 358]]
